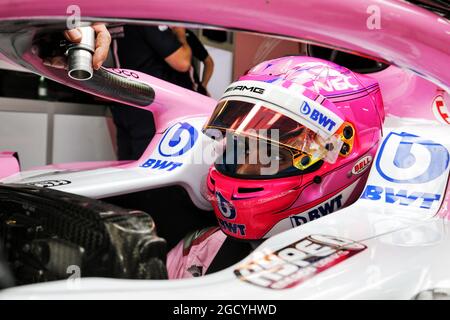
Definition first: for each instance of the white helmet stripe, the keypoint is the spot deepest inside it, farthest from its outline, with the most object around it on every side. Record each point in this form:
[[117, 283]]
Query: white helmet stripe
[[291, 103]]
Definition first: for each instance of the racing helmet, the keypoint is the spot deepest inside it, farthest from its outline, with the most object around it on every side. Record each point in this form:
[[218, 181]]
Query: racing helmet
[[299, 134]]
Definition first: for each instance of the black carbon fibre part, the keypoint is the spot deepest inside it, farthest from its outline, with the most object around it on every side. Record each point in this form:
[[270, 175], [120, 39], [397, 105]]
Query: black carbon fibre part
[[46, 232], [31, 45], [121, 88]]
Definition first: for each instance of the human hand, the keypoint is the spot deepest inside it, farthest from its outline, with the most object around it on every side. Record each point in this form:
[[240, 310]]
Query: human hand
[[102, 43]]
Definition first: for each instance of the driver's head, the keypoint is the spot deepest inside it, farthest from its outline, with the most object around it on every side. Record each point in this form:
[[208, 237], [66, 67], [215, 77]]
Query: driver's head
[[299, 135]]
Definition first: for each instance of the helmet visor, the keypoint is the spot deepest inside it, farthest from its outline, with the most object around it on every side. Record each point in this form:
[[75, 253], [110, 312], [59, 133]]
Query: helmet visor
[[260, 121]]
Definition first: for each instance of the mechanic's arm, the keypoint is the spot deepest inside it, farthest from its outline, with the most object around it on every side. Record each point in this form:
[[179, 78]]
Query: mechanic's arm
[[180, 60], [208, 69]]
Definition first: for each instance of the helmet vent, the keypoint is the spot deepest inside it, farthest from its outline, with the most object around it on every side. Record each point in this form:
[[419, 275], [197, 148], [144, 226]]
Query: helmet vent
[[212, 181], [249, 190]]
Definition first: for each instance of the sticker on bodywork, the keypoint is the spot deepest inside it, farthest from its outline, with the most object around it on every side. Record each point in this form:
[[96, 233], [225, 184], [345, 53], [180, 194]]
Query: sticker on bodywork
[[440, 110], [49, 183], [298, 262], [361, 165], [411, 172], [176, 142]]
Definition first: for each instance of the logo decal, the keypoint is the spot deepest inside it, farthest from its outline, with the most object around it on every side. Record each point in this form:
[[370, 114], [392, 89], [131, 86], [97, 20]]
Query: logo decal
[[410, 171], [161, 164], [305, 108], [196, 271], [298, 262], [234, 228], [178, 140], [228, 211], [245, 88], [361, 165], [323, 77], [317, 212], [225, 207], [402, 197], [416, 160], [440, 110], [317, 116], [127, 73], [49, 183]]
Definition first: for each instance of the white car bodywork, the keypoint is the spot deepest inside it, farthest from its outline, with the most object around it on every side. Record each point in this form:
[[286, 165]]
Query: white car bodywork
[[404, 230], [399, 250], [136, 176]]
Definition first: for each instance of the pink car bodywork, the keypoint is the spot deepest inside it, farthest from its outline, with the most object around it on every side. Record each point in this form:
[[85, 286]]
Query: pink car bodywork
[[418, 44], [422, 49], [8, 164]]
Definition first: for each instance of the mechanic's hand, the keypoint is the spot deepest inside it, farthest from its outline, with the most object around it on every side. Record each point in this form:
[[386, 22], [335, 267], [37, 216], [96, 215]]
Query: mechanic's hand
[[102, 42]]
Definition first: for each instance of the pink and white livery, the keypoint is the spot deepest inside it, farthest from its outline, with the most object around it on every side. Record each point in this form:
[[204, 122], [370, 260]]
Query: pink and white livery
[[387, 175]]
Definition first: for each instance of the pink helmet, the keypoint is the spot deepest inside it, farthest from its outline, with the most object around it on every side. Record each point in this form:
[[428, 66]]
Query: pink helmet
[[322, 124]]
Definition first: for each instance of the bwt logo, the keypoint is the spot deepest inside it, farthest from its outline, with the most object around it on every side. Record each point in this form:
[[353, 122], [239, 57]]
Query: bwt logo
[[317, 116], [405, 159], [416, 160], [421, 199], [305, 108], [318, 212], [179, 139], [228, 212], [231, 227], [225, 207], [161, 164]]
